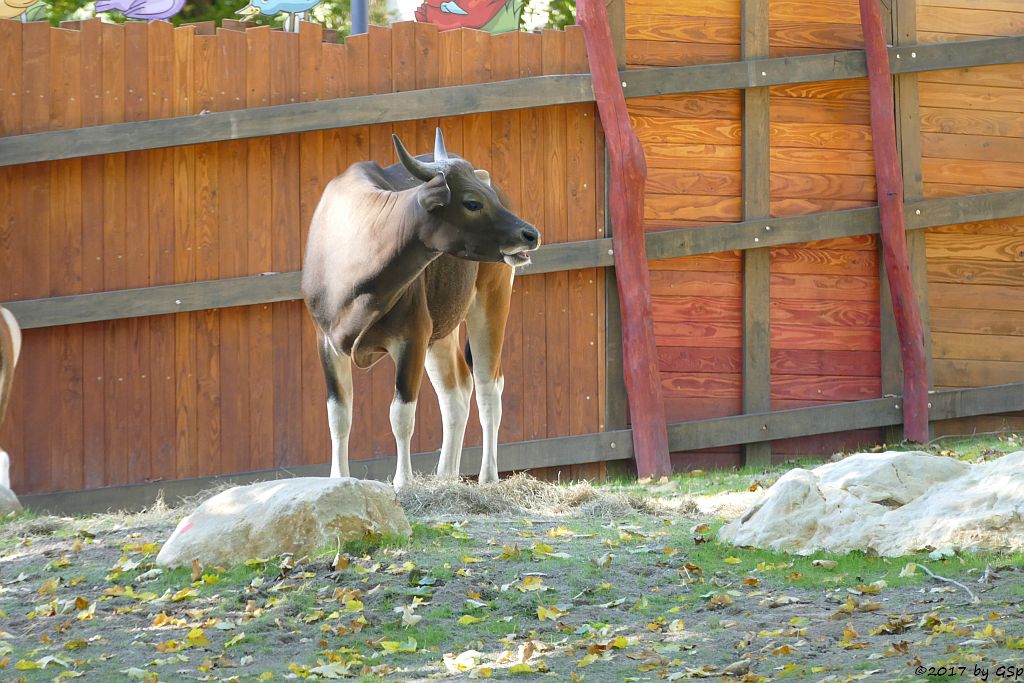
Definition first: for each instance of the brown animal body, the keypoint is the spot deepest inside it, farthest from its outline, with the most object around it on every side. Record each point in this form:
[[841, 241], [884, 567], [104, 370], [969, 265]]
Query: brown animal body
[[397, 258]]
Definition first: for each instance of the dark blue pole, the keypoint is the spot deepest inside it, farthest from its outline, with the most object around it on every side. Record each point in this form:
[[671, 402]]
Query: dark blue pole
[[360, 16]]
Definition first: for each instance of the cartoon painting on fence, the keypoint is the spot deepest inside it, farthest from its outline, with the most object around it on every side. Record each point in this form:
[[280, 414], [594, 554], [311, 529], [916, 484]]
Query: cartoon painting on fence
[[493, 16]]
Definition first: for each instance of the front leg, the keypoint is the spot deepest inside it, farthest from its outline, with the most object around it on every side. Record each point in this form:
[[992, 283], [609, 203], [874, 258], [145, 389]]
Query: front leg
[[338, 375], [486, 326], [409, 356]]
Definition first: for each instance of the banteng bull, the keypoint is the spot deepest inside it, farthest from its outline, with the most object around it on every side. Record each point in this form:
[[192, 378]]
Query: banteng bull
[[396, 259]]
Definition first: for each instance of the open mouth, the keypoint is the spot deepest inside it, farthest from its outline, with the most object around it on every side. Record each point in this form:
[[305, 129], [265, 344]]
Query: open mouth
[[517, 259]]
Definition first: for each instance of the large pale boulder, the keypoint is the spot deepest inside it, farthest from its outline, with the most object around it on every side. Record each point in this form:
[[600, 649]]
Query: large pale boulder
[[288, 515], [892, 503], [9, 502]]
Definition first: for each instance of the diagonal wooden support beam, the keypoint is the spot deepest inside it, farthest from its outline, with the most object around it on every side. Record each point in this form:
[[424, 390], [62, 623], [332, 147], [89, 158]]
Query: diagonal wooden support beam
[[896, 259], [628, 176]]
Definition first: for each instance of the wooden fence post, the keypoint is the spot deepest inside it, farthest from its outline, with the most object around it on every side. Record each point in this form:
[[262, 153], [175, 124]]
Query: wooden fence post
[[628, 177], [757, 379], [893, 228]]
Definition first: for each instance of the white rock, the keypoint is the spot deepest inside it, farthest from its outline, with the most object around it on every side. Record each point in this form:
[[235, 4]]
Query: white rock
[[288, 515], [8, 501], [891, 503]]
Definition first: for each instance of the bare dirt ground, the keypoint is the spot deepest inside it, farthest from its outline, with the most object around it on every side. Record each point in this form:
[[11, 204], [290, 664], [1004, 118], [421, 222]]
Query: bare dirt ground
[[525, 581]]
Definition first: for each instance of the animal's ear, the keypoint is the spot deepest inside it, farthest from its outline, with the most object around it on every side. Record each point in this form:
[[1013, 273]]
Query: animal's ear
[[483, 176], [434, 193]]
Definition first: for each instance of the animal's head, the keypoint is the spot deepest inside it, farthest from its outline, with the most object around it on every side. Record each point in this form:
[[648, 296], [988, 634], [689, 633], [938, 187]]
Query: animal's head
[[471, 221]]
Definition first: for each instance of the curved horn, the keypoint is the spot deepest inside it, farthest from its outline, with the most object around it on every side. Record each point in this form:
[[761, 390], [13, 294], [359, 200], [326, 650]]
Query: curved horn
[[440, 153], [417, 168]]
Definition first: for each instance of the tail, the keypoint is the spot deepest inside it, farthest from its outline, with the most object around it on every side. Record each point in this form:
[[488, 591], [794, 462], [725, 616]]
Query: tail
[[10, 347], [467, 352]]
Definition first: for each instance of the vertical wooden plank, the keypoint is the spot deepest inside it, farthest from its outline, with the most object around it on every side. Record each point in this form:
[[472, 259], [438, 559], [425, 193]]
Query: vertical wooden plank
[[889, 178], [756, 262], [426, 62], [36, 366], [614, 412], [903, 30], [161, 256], [207, 323], [428, 75], [93, 343], [584, 389], [114, 270], [66, 223], [617, 24], [333, 86], [404, 59], [186, 464], [379, 80], [313, 395], [260, 256], [357, 142], [137, 255], [582, 218], [533, 287], [66, 259], [403, 78], [629, 175], [11, 237], [284, 150], [476, 145], [555, 229], [450, 68], [506, 145], [233, 216]]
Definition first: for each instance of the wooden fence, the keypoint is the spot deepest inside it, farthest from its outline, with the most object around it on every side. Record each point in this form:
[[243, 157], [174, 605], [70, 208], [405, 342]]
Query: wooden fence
[[773, 323], [222, 390]]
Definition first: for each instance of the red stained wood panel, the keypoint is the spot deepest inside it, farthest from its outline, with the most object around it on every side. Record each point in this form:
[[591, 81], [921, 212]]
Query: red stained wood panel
[[259, 256], [315, 445], [233, 226], [161, 441], [286, 254]]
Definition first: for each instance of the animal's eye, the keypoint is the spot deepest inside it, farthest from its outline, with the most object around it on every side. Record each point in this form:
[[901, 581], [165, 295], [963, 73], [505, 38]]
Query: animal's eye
[[472, 205]]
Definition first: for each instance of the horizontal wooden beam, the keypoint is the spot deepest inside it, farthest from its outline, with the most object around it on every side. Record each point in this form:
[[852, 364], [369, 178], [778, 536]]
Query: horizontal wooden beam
[[535, 91], [245, 291], [574, 450], [753, 234], [766, 232], [145, 301], [840, 417], [300, 117], [522, 455], [783, 424], [973, 208], [991, 400]]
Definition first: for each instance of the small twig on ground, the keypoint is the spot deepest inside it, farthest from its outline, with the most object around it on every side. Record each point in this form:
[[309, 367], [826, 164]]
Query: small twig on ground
[[929, 572]]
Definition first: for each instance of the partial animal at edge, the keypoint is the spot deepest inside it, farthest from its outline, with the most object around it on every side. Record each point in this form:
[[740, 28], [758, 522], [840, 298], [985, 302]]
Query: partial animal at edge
[[10, 349], [397, 258]]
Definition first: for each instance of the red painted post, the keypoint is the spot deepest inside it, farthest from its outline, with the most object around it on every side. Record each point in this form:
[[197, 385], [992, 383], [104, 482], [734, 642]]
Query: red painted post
[[628, 176], [893, 229]]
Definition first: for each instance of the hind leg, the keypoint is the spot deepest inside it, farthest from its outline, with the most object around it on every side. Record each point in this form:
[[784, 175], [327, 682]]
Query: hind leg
[[338, 376], [453, 383], [486, 324]]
